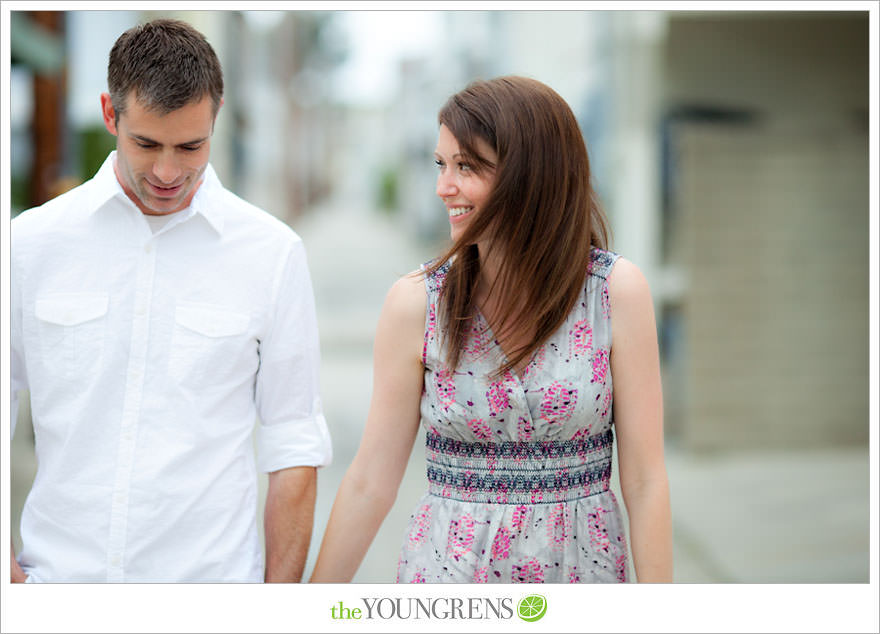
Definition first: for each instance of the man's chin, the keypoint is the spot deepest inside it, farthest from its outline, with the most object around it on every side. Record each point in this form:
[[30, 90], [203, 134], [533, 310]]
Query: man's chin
[[161, 207]]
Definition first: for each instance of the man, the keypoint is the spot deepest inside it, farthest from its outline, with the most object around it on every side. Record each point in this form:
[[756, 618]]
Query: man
[[155, 317]]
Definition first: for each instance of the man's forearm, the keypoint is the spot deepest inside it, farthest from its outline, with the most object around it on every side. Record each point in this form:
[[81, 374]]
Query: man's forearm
[[290, 510]]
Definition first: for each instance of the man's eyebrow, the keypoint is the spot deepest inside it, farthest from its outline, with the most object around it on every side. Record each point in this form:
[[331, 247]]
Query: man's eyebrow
[[149, 141]]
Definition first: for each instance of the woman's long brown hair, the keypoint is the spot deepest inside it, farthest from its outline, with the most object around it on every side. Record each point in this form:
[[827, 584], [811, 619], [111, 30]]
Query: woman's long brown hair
[[540, 220]]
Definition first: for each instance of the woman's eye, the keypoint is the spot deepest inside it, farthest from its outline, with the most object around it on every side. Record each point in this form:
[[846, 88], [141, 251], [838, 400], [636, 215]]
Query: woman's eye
[[438, 163], [464, 167]]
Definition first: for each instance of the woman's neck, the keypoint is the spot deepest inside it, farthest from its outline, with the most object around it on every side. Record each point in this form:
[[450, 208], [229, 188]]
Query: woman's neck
[[490, 267]]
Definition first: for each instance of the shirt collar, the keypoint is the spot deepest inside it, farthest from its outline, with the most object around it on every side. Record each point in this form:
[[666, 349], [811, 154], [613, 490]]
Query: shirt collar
[[105, 187], [206, 200]]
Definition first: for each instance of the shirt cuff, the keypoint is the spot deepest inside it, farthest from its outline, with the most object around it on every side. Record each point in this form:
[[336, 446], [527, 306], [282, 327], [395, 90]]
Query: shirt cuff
[[299, 443]]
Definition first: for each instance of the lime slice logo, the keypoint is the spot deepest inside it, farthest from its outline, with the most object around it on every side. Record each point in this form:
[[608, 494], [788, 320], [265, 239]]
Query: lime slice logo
[[532, 607]]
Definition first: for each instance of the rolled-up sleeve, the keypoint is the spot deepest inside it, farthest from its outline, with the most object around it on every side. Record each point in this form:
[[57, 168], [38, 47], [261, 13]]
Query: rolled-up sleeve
[[292, 430]]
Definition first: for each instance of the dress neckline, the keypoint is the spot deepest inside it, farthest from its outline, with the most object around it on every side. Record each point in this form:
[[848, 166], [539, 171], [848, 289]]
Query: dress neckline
[[520, 374]]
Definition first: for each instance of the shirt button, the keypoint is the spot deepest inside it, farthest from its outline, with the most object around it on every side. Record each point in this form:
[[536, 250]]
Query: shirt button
[[148, 248], [115, 560]]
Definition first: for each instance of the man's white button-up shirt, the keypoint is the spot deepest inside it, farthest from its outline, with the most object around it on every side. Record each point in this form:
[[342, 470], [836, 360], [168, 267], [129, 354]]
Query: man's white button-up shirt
[[148, 357]]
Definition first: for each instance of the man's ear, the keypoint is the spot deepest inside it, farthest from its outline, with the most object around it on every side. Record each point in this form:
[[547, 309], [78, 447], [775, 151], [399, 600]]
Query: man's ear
[[109, 113]]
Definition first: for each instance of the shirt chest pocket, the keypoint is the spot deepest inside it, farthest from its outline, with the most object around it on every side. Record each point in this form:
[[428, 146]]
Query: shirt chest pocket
[[210, 345], [71, 329]]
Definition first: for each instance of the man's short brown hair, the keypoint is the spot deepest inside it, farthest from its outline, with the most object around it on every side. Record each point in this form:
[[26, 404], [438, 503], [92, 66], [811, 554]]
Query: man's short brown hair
[[167, 64]]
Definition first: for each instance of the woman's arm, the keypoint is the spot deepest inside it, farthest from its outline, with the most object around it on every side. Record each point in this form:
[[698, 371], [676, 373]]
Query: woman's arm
[[638, 417], [371, 482]]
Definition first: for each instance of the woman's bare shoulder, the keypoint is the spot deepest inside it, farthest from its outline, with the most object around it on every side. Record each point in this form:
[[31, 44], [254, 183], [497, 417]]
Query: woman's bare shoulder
[[405, 302], [627, 284], [632, 307]]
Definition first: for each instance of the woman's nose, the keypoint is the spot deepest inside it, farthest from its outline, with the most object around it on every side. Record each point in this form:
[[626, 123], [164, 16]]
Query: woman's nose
[[446, 186]]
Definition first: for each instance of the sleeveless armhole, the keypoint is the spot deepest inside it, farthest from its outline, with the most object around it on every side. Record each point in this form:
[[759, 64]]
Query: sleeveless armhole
[[433, 286], [601, 264]]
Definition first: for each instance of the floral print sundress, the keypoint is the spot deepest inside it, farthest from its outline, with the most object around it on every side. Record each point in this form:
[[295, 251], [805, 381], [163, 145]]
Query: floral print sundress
[[519, 466]]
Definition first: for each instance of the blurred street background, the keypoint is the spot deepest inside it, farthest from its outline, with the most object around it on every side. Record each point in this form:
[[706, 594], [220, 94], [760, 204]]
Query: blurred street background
[[730, 149]]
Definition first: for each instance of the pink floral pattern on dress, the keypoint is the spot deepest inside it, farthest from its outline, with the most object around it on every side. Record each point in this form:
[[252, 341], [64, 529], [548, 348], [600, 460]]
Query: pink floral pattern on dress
[[498, 398], [481, 575], [478, 340], [580, 339], [524, 429], [430, 331], [536, 364], [559, 402], [520, 513], [421, 527], [480, 429], [445, 385], [528, 571], [620, 565], [461, 536], [606, 301], [600, 365], [606, 403], [559, 526], [501, 544], [583, 432], [598, 530]]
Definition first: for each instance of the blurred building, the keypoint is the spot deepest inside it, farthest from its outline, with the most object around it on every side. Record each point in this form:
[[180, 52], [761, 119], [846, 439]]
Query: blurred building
[[273, 139], [765, 218], [731, 152]]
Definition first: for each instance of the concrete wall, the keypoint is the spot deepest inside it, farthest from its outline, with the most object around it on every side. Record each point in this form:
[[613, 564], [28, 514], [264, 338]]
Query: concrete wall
[[774, 239], [769, 232], [790, 63]]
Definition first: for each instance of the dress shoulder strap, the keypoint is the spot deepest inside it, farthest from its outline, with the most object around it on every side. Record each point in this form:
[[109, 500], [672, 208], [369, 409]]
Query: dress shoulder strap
[[601, 262], [434, 282]]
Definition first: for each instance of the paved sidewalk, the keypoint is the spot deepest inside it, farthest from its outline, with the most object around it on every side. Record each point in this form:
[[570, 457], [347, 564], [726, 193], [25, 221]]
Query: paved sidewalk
[[799, 516]]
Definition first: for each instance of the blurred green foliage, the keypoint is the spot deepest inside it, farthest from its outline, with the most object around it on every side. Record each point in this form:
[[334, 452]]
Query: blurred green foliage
[[388, 197], [19, 194], [94, 143]]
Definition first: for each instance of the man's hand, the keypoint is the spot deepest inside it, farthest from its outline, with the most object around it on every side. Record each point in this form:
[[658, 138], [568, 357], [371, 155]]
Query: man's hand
[[290, 511], [18, 575]]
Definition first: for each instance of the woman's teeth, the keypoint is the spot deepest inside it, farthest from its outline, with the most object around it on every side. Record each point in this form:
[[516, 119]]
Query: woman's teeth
[[459, 211]]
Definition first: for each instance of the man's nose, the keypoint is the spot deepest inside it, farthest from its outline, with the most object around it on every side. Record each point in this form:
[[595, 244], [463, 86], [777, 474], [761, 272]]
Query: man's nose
[[166, 168]]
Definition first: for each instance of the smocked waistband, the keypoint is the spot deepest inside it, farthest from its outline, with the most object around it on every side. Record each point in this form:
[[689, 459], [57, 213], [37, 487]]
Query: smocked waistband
[[519, 472]]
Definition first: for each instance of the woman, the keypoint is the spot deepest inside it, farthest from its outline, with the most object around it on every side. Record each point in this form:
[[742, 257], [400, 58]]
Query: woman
[[506, 349]]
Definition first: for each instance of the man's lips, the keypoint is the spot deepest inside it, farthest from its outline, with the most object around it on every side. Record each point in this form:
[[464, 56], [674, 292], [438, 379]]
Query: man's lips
[[165, 192]]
